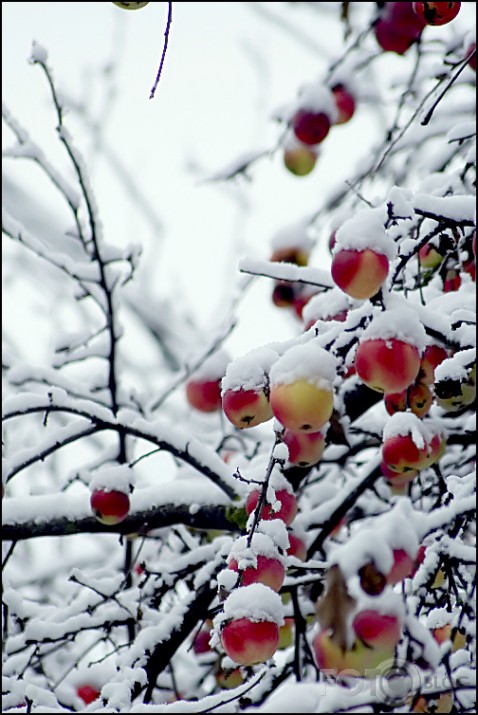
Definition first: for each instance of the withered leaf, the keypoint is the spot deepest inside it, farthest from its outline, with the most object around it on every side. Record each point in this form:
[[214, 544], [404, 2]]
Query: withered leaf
[[334, 606]]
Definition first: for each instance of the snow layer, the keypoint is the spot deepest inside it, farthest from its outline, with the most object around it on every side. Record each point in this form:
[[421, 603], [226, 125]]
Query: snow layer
[[250, 371], [365, 229], [256, 602], [305, 362], [400, 323]]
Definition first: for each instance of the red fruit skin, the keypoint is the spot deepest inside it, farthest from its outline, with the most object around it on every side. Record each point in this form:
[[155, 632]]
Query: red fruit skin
[[431, 358], [297, 547], [437, 13], [360, 274], [401, 454], [305, 448], [204, 396], [201, 642], [310, 127], [418, 397], [87, 693], [402, 568], [288, 509], [344, 102], [269, 571], [387, 365], [247, 642], [398, 28], [109, 507], [376, 629], [246, 408]]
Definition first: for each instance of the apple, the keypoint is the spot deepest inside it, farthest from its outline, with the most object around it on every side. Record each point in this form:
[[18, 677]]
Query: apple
[[432, 356], [398, 28], [387, 365], [228, 679], [297, 547], [437, 13], [403, 565], [300, 159], [286, 633], [284, 294], [429, 257], [451, 281], [287, 510], [311, 127], [418, 397], [246, 407], [358, 661], [401, 454], [305, 448], [345, 103], [360, 274], [302, 406], [131, 5], [202, 638], [376, 629], [109, 505], [298, 255], [87, 693], [248, 642], [446, 633], [204, 396], [372, 581], [268, 571]]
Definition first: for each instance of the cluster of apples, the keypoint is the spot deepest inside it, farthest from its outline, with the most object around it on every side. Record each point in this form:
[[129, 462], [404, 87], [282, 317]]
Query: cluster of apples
[[319, 107], [401, 24], [252, 627]]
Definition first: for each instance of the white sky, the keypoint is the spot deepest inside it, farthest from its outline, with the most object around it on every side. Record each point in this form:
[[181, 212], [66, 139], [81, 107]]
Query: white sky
[[227, 70]]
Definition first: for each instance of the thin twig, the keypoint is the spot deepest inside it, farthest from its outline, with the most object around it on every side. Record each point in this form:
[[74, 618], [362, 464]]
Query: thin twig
[[165, 47]]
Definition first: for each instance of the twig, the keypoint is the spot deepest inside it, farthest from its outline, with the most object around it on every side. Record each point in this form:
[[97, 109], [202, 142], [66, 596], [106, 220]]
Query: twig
[[165, 47]]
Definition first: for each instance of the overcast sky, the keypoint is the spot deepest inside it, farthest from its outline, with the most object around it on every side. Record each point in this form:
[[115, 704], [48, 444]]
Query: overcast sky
[[228, 68]]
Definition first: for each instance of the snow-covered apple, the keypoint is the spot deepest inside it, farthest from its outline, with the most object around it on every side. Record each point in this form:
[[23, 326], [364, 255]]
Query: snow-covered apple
[[305, 448], [110, 506], [285, 506]]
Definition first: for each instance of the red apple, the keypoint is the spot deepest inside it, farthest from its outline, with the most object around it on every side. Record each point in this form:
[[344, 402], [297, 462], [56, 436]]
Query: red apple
[[360, 274], [109, 506], [201, 641], [204, 396], [310, 127], [287, 510], [345, 103], [432, 356], [401, 454], [87, 693], [387, 365], [248, 642], [418, 397], [268, 571], [376, 629], [437, 13], [246, 408], [297, 547], [398, 27], [284, 294], [402, 568], [305, 448]]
